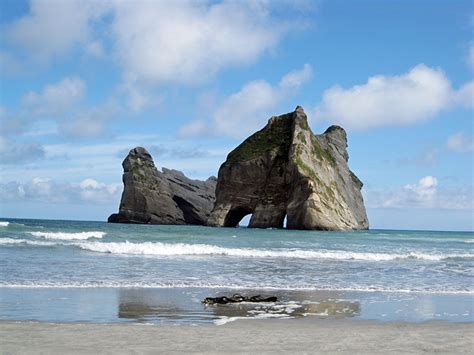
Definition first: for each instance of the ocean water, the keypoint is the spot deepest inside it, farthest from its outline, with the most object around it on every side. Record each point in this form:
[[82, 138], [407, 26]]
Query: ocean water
[[43, 260]]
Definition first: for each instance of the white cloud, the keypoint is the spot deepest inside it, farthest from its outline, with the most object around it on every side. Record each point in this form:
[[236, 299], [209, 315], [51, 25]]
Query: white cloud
[[52, 28], [90, 121], [56, 98], [64, 102], [95, 48], [426, 193], [153, 42], [416, 96], [248, 109], [296, 78], [460, 143], [189, 41], [465, 95], [424, 190], [194, 128], [158, 41], [94, 191], [46, 190]]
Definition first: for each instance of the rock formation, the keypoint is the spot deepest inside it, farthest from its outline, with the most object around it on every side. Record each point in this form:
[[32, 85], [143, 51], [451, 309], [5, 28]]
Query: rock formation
[[284, 170], [167, 197]]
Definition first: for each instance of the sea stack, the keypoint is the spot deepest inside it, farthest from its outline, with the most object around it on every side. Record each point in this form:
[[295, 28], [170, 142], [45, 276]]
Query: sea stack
[[285, 170], [167, 197]]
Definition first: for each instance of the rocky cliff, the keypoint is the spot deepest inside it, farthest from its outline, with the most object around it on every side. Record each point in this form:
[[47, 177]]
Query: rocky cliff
[[285, 170], [167, 197]]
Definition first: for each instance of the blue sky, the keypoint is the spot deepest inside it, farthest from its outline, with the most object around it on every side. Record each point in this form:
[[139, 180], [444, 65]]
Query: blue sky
[[84, 82]]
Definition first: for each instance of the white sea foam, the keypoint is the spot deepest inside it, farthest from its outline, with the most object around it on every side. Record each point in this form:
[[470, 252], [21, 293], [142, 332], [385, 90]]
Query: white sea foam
[[234, 286], [6, 241], [164, 249], [4, 224], [68, 236], [224, 319], [181, 249]]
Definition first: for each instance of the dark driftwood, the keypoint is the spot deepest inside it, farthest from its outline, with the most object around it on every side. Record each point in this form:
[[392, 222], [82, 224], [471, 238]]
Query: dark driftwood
[[236, 298]]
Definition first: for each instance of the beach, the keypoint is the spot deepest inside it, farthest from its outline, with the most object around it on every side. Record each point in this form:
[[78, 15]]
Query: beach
[[257, 336], [92, 287]]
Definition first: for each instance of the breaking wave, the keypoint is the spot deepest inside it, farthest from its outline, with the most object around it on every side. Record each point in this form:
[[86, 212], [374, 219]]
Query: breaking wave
[[68, 236], [163, 249], [7, 241], [181, 249], [4, 224]]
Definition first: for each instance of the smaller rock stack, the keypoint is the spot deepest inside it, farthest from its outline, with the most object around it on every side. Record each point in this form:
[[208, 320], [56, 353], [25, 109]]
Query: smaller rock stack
[[167, 197]]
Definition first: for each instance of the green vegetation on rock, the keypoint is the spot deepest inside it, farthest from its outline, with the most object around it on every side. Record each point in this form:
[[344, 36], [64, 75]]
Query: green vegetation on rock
[[321, 153], [301, 137], [275, 137]]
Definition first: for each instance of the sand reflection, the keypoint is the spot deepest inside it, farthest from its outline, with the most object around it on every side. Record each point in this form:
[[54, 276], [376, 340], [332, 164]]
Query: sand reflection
[[168, 305]]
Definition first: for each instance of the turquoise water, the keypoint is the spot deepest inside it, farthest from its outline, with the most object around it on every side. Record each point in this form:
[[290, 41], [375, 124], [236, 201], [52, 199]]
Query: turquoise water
[[54, 255]]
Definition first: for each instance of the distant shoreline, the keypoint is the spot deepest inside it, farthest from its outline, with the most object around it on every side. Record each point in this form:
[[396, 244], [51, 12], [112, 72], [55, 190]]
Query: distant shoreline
[[307, 336]]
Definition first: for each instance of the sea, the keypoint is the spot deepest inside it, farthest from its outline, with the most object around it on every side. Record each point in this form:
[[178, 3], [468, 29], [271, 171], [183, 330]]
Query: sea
[[82, 271]]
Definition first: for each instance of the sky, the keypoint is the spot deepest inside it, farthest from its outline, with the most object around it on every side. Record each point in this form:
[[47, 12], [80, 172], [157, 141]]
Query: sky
[[83, 82]]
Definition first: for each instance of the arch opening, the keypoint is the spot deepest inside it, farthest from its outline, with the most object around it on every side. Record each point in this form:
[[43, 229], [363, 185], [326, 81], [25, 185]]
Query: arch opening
[[235, 215]]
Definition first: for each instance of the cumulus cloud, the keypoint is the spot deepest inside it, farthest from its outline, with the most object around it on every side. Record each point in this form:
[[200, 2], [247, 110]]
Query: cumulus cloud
[[89, 122], [56, 98], [465, 95], [158, 41], [415, 96], [63, 102], [248, 109], [47, 190], [426, 193], [52, 28], [195, 128], [460, 143], [189, 41], [154, 43]]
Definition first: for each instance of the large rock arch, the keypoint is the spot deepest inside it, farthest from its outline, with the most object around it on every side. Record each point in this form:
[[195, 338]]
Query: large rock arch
[[286, 170]]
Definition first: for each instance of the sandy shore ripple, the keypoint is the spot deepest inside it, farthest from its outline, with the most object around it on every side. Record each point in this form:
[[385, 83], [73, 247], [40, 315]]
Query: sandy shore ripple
[[293, 336]]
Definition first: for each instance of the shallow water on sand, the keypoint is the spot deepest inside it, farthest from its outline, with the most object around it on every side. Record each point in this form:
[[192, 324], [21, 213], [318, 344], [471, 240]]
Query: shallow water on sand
[[184, 305], [375, 274]]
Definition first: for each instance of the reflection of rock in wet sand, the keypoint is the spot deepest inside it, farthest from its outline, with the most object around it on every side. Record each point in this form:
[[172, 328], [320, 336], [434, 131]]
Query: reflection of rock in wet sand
[[170, 305], [140, 311], [134, 310], [327, 308], [145, 305]]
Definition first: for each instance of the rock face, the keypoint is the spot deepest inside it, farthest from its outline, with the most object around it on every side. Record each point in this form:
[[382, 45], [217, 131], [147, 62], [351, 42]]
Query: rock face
[[284, 170], [167, 197]]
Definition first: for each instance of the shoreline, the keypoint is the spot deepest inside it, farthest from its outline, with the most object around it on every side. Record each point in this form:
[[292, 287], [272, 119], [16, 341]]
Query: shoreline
[[290, 335], [176, 306]]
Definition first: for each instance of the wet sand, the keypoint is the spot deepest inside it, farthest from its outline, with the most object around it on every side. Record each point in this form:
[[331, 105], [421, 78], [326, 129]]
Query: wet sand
[[255, 336]]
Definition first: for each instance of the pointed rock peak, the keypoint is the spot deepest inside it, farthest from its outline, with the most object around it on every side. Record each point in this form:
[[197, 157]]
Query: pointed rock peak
[[299, 116], [337, 133], [140, 152], [137, 156]]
